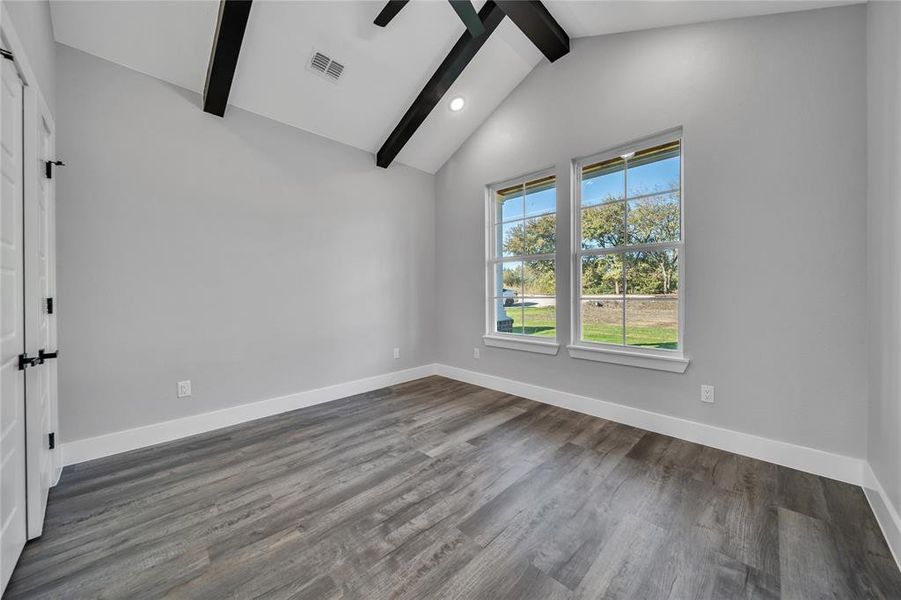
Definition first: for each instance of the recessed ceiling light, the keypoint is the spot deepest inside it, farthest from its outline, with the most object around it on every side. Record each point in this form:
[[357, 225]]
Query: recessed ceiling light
[[457, 103]]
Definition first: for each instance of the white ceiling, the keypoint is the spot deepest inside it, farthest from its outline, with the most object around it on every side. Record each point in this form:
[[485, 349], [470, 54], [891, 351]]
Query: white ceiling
[[384, 68]]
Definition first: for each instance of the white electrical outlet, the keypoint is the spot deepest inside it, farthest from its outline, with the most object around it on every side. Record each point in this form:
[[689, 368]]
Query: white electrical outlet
[[397, 353], [475, 353], [707, 394], [184, 389]]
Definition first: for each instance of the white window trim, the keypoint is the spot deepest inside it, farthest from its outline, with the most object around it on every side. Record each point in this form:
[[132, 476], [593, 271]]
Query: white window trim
[[674, 361], [511, 341], [526, 344]]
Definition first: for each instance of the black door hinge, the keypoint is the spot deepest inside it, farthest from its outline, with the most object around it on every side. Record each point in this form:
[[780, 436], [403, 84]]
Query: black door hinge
[[25, 361], [6, 54], [49, 306], [51, 440], [48, 167]]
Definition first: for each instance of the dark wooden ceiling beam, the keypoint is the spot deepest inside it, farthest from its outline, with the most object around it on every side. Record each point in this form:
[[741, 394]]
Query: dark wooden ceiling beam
[[460, 55], [467, 13], [389, 12], [533, 18], [233, 15]]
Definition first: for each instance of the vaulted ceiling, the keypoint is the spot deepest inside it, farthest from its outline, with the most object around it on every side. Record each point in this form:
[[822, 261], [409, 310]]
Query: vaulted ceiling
[[385, 68]]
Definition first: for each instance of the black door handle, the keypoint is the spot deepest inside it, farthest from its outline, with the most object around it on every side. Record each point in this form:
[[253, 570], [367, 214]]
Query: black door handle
[[42, 356], [26, 361]]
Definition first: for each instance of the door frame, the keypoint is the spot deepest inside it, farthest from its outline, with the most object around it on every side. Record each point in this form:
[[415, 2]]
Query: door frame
[[35, 107], [36, 442]]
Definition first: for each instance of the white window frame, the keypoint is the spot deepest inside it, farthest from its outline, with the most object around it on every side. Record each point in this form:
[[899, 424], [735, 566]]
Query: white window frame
[[652, 358], [513, 341]]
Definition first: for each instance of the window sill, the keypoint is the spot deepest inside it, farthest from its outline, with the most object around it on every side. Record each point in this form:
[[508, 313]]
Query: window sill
[[644, 360], [524, 344]]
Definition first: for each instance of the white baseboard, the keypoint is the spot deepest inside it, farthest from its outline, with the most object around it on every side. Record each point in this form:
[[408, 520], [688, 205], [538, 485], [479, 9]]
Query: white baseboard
[[886, 513], [811, 460], [131, 439]]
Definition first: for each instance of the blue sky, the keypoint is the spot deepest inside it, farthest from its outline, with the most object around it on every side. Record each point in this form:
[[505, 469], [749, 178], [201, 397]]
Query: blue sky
[[536, 203], [660, 175]]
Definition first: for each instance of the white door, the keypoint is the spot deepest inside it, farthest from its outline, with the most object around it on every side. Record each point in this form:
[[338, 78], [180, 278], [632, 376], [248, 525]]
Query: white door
[[40, 334], [12, 324]]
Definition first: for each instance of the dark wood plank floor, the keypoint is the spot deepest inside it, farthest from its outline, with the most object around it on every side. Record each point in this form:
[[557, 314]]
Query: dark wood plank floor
[[439, 489]]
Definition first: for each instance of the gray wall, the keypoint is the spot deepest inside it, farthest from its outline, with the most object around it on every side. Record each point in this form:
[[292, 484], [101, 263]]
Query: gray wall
[[252, 258], [259, 260], [774, 117], [884, 243], [31, 19]]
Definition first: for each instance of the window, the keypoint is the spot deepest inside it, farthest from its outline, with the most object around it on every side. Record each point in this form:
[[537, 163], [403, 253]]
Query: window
[[522, 242], [627, 249]]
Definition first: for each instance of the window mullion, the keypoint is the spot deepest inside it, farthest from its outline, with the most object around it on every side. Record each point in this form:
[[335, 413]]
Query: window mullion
[[522, 264], [522, 257], [625, 275], [652, 194], [625, 202], [625, 237], [653, 247]]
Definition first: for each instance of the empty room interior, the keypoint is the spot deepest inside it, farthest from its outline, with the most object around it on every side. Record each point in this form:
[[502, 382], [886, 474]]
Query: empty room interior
[[466, 299]]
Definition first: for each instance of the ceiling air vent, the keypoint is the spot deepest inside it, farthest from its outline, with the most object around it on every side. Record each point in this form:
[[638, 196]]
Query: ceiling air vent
[[326, 66], [334, 69]]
